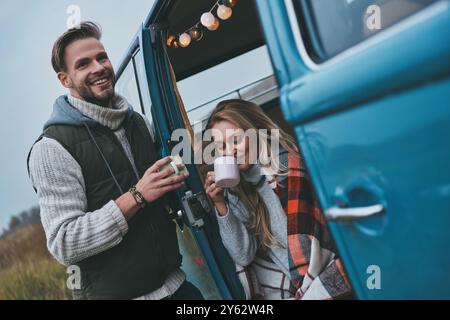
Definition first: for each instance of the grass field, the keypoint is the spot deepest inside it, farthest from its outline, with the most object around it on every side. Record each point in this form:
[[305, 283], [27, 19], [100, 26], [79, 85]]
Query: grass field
[[27, 271]]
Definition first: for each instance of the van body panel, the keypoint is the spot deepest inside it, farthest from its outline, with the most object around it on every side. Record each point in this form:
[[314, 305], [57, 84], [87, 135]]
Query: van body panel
[[373, 126]]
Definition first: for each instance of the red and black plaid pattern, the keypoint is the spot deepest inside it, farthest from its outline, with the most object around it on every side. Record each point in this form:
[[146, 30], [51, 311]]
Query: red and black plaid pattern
[[306, 224]]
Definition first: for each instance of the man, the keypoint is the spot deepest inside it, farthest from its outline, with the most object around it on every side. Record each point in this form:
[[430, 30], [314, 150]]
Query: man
[[99, 185]]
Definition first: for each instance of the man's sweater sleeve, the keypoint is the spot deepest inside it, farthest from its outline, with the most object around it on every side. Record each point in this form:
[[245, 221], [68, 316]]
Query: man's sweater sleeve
[[240, 243], [72, 233]]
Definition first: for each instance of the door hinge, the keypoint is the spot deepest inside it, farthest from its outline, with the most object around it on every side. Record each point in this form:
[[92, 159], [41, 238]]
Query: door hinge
[[195, 206], [156, 27]]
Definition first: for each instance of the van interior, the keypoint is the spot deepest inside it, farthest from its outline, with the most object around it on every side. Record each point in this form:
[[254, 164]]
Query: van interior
[[235, 55]]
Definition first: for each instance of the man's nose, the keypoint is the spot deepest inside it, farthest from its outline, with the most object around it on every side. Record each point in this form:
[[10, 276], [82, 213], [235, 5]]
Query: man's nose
[[98, 67]]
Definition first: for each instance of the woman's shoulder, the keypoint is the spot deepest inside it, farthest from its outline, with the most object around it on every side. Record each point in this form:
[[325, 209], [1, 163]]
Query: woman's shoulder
[[289, 160], [283, 158]]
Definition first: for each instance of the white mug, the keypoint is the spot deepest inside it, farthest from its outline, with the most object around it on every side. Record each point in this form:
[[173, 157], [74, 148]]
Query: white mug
[[226, 172]]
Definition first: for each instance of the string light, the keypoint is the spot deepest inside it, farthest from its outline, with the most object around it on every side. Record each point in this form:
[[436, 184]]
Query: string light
[[229, 3], [224, 12], [173, 42], [215, 25], [185, 40], [196, 33], [207, 20]]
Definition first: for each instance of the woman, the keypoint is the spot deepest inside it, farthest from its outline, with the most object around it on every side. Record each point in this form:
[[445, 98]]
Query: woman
[[270, 223]]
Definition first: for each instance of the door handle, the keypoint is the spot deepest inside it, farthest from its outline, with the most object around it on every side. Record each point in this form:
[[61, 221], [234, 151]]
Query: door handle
[[336, 213]]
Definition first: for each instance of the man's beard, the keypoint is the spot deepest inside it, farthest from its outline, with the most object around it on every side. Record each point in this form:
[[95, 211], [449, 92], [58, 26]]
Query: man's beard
[[87, 94]]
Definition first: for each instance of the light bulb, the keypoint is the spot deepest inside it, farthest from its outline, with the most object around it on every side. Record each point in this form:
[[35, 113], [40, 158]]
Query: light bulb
[[169, 41], [185, 40], [215, 25], [175, 43], [207, 19], [196, 33], [224, 12], [229, 3]]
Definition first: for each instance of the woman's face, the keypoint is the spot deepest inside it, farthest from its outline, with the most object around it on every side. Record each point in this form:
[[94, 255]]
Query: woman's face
[[229, 140]]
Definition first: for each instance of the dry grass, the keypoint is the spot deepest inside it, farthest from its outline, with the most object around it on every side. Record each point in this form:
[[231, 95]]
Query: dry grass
[[27, 271]]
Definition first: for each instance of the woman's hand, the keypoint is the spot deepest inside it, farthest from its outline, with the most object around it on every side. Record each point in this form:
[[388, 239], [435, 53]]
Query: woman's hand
[[215, 193]]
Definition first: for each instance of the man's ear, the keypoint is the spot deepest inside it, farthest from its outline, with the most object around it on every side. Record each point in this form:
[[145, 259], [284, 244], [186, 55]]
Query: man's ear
[[64, 79]]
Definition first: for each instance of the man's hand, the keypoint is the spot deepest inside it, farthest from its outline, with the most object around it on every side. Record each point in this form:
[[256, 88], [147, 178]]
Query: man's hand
[[155, 183]]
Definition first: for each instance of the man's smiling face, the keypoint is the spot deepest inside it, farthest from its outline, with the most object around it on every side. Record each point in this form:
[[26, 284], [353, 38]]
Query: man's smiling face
[[89, 74]]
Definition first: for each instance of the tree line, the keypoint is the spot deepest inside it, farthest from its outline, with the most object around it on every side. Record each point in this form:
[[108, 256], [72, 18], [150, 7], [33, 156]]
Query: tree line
[[23, 219]]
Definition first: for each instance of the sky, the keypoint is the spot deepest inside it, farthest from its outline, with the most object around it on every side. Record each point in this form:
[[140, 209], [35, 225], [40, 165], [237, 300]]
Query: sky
[[28, 84]]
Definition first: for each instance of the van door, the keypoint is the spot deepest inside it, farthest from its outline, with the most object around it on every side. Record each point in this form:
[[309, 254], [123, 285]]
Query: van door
[[205, 259], [366, 85]]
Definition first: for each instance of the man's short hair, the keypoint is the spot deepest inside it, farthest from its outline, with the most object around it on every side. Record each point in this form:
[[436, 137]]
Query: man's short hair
[[85, 30]]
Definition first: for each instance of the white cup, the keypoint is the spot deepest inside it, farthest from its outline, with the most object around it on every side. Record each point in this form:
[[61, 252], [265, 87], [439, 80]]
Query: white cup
[[226, 172], [175, 161]]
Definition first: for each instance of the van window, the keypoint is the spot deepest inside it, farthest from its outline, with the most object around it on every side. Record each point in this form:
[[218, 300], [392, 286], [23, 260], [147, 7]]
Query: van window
[[329, 27], [127, 87], [144, 90], [143, 84]]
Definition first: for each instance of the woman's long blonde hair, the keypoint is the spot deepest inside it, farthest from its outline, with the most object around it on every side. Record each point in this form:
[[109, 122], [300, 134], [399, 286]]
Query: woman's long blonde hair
[[247, 115]]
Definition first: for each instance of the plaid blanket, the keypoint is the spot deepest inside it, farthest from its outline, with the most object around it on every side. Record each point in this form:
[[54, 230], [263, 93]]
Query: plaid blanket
[[316, 271]]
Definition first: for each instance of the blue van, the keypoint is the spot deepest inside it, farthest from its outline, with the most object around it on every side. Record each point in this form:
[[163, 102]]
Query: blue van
[[364, 86]]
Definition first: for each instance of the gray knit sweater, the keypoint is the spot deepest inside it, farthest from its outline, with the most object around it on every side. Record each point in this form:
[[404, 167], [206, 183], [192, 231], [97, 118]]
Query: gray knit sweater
[[72, 233]]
